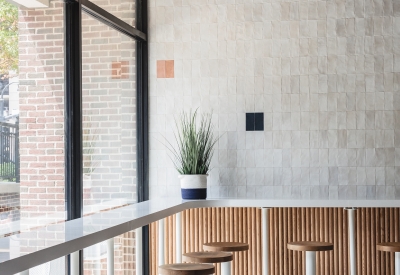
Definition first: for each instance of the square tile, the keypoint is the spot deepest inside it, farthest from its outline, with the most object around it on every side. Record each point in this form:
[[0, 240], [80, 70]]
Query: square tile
[[160, 68], [165, 69], [169, 68]]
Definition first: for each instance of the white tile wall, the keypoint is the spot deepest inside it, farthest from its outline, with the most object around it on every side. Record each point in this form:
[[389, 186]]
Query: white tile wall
[[326, 74]]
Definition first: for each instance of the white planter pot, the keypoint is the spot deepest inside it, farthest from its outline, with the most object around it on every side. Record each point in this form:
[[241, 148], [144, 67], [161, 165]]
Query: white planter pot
[[193, 187]]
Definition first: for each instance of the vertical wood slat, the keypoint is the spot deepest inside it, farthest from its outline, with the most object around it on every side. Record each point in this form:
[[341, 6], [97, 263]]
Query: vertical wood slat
[[236, 238], [345, 241], [289, 239], [245, 239], [378, 240], [387, 236], [373, 225], [362, 233], [382, 239], [259, 237], [368, 256], [271, 243], [391, 232], [372, 260], [340, 241]]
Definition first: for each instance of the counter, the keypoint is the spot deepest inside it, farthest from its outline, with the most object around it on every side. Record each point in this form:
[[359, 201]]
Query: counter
[[33, 248]]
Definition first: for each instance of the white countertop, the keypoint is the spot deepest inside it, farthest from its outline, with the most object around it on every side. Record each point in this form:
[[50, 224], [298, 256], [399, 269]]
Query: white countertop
[[51, 242]]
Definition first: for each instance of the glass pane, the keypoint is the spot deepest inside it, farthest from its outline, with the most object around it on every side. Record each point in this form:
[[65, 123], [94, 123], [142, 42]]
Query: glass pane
[[31, 116], [124, 10], [109, 117], [95, 257], [31, 121], [55, 267]]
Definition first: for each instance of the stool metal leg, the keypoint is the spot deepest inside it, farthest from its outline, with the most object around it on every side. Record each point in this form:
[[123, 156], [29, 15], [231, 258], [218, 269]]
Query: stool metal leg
[[351, 212], [397, 263], [75, 263], [265, 240], [311, 264], [226, 268], [110, 256]]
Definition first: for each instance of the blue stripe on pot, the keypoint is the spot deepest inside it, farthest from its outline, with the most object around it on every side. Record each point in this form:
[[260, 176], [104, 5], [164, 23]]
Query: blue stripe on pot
[[194, 194]]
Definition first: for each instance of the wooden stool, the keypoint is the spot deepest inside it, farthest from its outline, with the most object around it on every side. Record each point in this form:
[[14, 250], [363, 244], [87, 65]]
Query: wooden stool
[[186, 269], [392, 247], [209, 257], [226, 247], [310, 248]]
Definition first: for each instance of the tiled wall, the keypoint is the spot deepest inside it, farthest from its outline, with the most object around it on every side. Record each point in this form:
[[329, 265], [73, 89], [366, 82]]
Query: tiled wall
[[326, 74]]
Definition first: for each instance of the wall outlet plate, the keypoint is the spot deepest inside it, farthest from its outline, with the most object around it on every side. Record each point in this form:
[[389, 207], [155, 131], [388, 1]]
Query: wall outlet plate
[[254, 121]]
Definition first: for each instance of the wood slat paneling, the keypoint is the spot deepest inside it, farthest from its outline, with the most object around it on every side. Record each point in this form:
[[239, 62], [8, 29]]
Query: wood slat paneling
[[373, 225]]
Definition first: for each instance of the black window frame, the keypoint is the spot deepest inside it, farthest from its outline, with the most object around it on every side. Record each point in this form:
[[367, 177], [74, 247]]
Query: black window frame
[[73, 107]]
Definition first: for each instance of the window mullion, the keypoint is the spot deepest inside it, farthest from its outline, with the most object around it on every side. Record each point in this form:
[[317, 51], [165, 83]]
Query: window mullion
[[73, 117]]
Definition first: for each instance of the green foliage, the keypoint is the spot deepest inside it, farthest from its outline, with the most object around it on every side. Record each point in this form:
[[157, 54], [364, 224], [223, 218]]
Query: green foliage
[[7, 168], [195, 144], [8, 37]]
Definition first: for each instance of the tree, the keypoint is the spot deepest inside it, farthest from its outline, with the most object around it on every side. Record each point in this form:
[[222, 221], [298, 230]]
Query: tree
[[8, 37]]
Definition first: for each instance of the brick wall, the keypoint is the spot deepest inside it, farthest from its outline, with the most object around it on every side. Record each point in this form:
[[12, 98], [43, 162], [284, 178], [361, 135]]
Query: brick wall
[[124, 10], [9, 207], [41, 74]]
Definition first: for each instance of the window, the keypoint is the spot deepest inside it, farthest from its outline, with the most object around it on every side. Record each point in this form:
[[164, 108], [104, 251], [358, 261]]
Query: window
[[124, 10], [108, 116], [32, 181], [35, 138], [32, 116]]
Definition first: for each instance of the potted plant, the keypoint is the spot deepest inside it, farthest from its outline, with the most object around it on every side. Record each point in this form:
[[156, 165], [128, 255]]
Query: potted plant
[[192, 157]]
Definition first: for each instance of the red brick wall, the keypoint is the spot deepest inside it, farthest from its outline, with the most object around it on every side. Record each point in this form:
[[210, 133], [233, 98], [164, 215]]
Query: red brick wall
[[41, 74], [9, 207]]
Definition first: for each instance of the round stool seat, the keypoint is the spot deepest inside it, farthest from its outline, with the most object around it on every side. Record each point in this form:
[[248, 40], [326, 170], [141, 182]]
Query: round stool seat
[[310, 246], [186, 269], [208, 257], [388, 247], [226, 246]]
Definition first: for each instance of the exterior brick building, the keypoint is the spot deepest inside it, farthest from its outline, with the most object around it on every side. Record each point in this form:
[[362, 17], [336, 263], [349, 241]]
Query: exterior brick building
[[9, 207], [41, 74]]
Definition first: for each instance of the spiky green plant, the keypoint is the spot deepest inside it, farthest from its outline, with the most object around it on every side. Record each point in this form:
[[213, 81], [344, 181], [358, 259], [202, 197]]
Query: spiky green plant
[[196, 143]]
